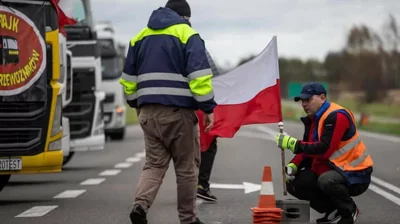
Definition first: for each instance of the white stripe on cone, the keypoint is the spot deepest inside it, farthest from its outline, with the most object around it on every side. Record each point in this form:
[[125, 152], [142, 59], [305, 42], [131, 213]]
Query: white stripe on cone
[[267, 188]]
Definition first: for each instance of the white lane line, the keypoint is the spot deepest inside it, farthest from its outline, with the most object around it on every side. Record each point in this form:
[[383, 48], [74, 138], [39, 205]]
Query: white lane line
[[123, 165], [385, 184], [384, 194], [133, 159], [37, 211], [199, 201], [140, 154], [70, 194], [93, 181], [110, 172]]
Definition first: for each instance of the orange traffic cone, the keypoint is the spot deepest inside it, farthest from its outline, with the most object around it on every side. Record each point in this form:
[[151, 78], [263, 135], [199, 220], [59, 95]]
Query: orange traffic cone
[[267, 212]]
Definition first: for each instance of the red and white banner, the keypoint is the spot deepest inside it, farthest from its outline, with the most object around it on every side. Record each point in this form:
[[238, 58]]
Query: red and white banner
[[64, 10], [249, 94]]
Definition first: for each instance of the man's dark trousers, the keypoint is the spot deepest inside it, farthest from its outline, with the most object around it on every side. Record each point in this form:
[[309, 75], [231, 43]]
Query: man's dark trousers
[[326, 192], [206, 165]]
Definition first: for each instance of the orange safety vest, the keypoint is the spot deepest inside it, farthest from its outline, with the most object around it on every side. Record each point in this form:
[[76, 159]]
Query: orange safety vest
[[351, 154]]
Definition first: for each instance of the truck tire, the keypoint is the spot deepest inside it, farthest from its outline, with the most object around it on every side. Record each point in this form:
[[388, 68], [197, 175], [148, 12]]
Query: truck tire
[[118, 135], [4, 180], [68, 158]]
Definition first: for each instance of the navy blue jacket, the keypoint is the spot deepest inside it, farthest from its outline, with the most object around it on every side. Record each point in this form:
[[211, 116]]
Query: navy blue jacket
[[167, 64]]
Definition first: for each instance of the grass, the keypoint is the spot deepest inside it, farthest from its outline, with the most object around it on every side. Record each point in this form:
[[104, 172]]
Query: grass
[[131, 117], [294, 114]]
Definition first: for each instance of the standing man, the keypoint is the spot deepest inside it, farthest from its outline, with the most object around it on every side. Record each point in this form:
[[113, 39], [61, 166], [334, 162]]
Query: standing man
[[208, 156], [167, 77], [331, 164]]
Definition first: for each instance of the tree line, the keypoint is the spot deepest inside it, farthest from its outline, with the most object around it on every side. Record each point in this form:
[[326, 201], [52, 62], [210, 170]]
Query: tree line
[[368, 63]]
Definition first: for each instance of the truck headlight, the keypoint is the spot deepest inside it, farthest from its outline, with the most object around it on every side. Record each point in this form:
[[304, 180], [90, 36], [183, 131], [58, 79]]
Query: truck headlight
[[56, 126]]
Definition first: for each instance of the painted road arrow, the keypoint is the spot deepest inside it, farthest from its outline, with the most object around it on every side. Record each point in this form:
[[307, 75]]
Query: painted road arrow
[[246, 186]]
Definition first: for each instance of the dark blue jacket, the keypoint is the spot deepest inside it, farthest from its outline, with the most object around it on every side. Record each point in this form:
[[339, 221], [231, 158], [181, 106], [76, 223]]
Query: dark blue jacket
[[167, 64]]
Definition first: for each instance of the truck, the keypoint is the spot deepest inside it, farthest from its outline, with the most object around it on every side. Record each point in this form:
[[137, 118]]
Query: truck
[[85, 111], [112, 59], [30, 89]]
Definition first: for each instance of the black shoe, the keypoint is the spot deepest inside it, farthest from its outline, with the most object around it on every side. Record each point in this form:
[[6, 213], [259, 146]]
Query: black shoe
[[205, 194], [197, 221], [329, 217], [138, 215], [352, 219]]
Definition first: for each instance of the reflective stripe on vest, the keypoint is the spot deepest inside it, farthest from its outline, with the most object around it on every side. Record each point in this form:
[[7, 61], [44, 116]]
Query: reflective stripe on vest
[[354, 144], [166, 90], [346, 149]]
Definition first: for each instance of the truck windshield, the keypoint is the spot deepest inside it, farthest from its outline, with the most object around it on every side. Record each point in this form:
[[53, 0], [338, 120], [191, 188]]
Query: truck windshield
[[80, 12], [111, 67]]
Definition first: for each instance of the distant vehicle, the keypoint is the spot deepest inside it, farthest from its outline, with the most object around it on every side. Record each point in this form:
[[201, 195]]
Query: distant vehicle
[[85, 111], [112, 59]]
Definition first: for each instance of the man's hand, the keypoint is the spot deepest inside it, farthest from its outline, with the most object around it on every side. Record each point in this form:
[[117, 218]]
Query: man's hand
[[208, 122], [291, 169], [285, 141]]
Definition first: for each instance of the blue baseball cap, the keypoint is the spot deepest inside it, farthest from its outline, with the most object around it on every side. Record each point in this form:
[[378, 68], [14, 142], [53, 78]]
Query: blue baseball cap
[[310, 89]]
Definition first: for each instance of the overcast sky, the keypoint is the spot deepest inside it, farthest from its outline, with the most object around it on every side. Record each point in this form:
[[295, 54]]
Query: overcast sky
[[236, 28]]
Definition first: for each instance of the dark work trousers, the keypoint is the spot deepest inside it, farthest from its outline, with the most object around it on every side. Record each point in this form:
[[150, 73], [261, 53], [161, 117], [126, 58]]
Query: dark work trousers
[[206, 165], [170, 133], [326, 192]]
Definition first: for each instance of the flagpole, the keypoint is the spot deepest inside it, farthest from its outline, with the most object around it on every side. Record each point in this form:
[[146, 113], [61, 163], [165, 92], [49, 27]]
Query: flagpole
[[280, 124]]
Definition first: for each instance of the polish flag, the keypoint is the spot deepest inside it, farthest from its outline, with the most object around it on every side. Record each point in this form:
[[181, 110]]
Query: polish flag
[[249, 94], [64, 10]]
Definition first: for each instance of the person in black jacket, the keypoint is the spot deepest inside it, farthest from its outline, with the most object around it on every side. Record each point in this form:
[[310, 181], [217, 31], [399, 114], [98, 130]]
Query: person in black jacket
[[208, 156]]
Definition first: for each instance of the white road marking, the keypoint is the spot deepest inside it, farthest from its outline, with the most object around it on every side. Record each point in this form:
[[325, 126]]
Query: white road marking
[[383, 137], [384, 194], [123, 165], [70, 194], [110, 172], [199, 201], [140, 154], [37, 211], [133, 159], [93, 181], [385, 184]]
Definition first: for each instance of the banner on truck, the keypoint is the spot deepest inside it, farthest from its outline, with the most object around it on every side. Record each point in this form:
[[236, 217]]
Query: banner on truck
[[22, 51]]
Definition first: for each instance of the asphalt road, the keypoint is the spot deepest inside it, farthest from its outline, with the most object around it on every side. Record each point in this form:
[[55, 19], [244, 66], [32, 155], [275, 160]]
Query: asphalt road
[[112, 175]]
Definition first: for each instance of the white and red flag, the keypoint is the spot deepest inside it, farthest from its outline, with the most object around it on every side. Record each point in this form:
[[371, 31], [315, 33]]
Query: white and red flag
[[249, 94]]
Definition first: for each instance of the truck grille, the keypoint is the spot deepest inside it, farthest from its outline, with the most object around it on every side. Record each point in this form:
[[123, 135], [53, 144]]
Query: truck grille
[[19, 139], [21, 110], [84, 81], [80, 113], [23, 127]]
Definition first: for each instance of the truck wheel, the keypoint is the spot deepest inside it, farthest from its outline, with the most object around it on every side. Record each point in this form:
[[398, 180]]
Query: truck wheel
[[118, 135], [68, 158], [4, 180]]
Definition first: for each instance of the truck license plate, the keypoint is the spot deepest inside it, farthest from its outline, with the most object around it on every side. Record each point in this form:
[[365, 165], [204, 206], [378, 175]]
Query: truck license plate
[[7, 164]]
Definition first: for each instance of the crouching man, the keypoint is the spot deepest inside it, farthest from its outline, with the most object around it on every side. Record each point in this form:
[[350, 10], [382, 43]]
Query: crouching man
[[331, 164]]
